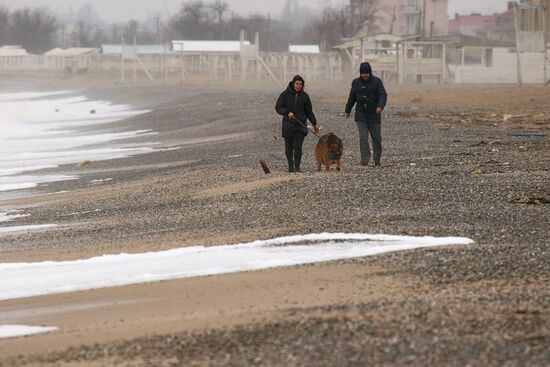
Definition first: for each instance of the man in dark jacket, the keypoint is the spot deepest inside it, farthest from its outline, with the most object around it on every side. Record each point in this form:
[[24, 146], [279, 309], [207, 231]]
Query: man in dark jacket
[[369, 94], [295, 106]]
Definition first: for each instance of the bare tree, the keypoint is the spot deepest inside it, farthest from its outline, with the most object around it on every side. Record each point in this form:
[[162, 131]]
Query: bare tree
[[32, 28], [192, 21], [4, 25], [131, 30], [346, 20], [333, 24], [208, 20], [87, 14], [286, 13], [90, 32], [299, 16], [367, 14], [219, 8], [91, 35]]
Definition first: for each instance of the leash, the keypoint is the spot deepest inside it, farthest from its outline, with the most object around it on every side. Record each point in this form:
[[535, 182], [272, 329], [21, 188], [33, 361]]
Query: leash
[[304, 124], [263, 161]]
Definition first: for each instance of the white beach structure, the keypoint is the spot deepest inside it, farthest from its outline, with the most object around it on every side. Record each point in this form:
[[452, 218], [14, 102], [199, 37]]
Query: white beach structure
[[396, 59], [187, 46], [304, 49], [499, 65], [13, 51], [149, 58], [217, 58], [74, 58], [141, 50], [13, 57]]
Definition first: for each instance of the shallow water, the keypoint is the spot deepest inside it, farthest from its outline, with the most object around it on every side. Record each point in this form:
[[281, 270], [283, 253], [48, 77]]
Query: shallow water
[[41, 130]]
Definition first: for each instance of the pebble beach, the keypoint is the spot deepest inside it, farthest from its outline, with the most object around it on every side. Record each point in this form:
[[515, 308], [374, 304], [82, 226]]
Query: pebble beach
[[453, 165]]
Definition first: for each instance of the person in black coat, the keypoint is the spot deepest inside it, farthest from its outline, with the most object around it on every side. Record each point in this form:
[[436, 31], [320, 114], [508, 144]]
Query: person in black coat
[[295, 106], [369, 94]]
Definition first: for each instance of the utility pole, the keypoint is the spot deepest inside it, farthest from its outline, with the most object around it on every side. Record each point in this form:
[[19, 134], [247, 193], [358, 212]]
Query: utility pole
[[268, 31], [158, 30], [424, 19], [518, 45]]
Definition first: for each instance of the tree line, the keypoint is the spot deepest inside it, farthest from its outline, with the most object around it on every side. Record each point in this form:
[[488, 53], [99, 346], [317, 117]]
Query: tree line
[[214, 20], [37, 30], [32, 28], [198, 19]]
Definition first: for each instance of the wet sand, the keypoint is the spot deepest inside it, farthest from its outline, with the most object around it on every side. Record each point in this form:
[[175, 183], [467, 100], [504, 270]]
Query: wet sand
[[451, 168]]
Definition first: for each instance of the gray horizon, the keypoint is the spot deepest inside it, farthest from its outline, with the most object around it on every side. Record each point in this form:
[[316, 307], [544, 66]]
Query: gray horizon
[[141, 9]]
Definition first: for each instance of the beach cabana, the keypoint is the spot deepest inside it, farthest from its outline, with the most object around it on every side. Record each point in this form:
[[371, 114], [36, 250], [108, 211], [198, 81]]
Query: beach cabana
[[142, 50], [12, 57], [75, 58], [211, 47], [304, 49]]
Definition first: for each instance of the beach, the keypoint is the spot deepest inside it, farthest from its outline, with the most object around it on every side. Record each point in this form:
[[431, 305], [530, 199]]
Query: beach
[[452, 167]]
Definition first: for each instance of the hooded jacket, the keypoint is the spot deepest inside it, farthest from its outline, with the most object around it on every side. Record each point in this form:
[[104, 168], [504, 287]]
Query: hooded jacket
[[368, 95], [298, 103]]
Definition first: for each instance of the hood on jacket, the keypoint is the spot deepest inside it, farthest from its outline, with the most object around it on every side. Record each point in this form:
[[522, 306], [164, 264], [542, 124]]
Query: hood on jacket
[[365, 68], [294, 80]]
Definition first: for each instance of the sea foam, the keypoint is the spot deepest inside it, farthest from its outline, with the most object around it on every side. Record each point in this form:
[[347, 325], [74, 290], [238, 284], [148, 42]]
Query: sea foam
[[33, 279], [44, 130]]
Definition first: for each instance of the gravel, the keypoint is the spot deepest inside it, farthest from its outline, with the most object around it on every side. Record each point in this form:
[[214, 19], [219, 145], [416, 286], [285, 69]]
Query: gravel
[[443, 174]]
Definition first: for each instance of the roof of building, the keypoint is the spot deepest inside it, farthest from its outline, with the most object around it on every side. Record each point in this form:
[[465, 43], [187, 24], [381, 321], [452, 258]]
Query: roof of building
[[207, 46], [370, 40], [112, 49], [13, 51], [72, 51], [304, 49], [470, 41], [480, 25], [472, 20]]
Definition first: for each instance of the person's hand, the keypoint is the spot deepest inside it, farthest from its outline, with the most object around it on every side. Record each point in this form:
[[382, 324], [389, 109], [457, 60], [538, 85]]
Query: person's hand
[[290, 115], [316, 129], [379, 110], [348, 115]]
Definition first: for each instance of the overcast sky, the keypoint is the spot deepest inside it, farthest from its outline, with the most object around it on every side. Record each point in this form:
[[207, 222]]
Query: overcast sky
[[120, 10]]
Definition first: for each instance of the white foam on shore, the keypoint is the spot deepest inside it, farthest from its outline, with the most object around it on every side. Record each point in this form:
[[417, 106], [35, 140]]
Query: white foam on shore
[[11, 331], [27, 228], [44, 130], [9, 216], [21, 96], [19, 280], [9, 183]]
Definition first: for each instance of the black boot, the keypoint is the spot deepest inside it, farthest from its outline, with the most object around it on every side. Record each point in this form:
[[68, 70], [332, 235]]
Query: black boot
[[297, 161], [291, 167]]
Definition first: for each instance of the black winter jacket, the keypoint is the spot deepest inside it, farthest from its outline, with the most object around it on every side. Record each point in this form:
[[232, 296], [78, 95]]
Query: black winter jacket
[[369, 95], [300, 105]]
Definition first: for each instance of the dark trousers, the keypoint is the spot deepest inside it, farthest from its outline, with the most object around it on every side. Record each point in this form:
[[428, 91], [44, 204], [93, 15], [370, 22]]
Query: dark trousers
[[293, 149], [375, 131]]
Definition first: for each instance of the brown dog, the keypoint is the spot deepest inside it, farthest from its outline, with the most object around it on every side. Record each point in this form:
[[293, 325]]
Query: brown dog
[[329, 150]]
